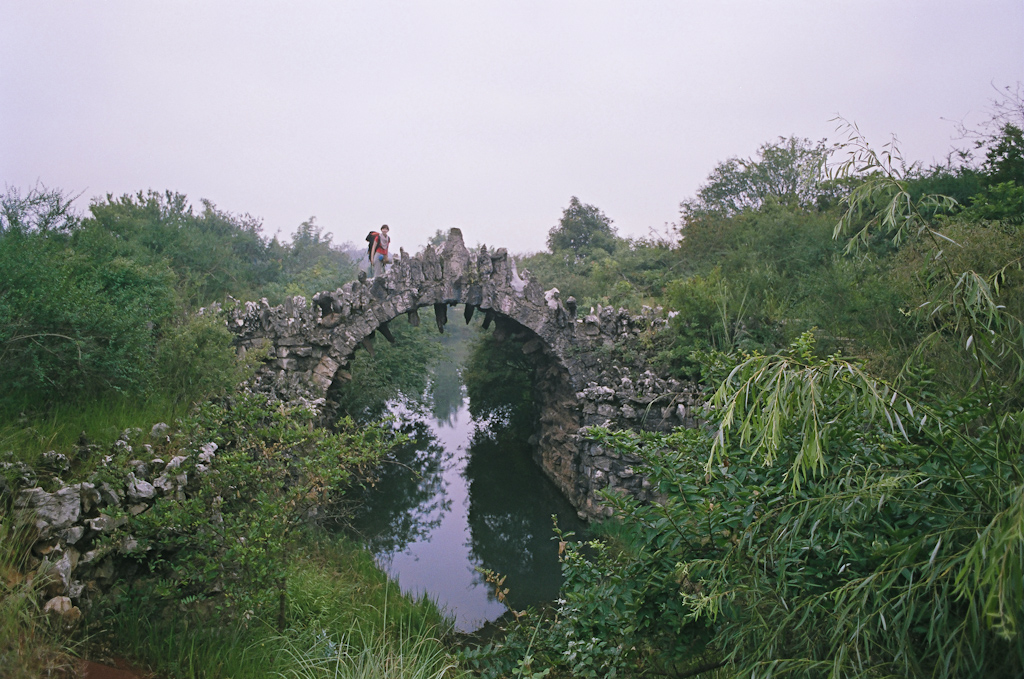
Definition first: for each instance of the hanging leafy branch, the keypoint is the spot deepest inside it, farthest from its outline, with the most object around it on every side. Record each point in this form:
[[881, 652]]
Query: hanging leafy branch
[[883, 199]]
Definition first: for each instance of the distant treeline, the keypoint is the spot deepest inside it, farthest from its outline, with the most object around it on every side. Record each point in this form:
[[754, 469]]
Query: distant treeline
[[755, 259]]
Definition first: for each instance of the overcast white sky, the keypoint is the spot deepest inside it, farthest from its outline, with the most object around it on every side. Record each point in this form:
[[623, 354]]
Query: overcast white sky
[[483, 115]]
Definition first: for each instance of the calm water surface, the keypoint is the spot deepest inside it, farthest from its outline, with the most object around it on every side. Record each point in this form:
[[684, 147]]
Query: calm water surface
[[465, 496]]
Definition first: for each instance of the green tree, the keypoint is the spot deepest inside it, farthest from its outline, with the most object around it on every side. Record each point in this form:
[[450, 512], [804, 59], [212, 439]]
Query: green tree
[[788, 171], [829, 522], [583, 232], [311, 264], [438, 239], [1004, 159], [73, 321], [39, 210], [213, 253]]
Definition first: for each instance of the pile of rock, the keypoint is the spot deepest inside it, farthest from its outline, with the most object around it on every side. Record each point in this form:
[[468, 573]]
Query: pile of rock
[[77, 547]]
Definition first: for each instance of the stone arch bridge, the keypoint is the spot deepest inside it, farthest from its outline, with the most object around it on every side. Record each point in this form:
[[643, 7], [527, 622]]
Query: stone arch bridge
[[578, 381]]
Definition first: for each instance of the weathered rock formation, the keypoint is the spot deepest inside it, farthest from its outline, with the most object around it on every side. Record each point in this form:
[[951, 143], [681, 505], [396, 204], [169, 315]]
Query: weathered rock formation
[[307, 347]]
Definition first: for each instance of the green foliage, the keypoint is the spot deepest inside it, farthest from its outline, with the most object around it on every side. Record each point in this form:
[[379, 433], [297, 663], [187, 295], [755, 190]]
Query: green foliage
[[499, 380], [272, 471], [196, 361], [636, 274], [104, 306], [786, 172], [73, 323], [40, 210], [312, 264], [555, 271], [64, 425], [583, 232], [342, 618], [883, 204], [212, 253], [711, 314], [403, 368], [829, 527], [586, 258], [998, 202], [828, 522], [960, 184], [1004, 157], [753, 282]]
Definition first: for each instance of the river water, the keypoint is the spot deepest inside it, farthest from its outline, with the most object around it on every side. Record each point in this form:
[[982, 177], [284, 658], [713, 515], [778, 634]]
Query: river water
[[464, 496]]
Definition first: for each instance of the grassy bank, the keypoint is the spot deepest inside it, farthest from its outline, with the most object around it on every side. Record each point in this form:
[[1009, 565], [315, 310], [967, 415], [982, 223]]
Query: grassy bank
[[233, 581], [29, 431], [341, 618]]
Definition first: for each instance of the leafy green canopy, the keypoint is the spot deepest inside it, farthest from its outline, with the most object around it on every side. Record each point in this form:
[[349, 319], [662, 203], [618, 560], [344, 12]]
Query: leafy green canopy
[[214, 253], [788, 172], [583, 231], [71, 321]]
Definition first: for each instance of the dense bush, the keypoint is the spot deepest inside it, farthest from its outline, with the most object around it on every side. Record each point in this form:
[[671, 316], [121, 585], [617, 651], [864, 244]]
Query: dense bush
[[72, 323], [105, 306], [271, 472]]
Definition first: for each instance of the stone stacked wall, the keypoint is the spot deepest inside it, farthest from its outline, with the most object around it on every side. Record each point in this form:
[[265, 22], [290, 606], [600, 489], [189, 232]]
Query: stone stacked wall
[[78, 549], [307, 346]]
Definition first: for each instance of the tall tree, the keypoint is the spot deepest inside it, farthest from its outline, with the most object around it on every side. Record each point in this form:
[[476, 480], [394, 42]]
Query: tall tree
[[582, 230], [788, 171]]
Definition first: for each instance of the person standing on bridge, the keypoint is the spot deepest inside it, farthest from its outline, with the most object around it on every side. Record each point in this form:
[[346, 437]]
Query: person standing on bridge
[[379, 252]]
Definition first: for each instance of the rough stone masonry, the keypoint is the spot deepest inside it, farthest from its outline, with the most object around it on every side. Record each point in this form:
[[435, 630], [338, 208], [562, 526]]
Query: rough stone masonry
[[308, 347]]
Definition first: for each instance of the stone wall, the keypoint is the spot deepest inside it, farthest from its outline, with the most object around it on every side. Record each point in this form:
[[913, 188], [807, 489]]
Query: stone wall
[[77, 547], [619, 393]]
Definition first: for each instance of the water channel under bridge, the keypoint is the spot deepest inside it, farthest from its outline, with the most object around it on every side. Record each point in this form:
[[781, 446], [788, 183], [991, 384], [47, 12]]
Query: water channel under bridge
[[308, 346]]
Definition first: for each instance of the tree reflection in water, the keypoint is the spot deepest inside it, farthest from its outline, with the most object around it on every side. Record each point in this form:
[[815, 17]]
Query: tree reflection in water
[[446, 392], [511, 504], [466, 494], [408, 498]]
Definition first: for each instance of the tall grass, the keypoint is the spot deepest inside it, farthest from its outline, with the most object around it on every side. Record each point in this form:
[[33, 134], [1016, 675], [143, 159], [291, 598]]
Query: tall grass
[[32, 429], [29, 646], [343, 618], [401, 653]]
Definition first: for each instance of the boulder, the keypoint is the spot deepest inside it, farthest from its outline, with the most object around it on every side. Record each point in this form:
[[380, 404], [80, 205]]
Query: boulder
[[50, 512]]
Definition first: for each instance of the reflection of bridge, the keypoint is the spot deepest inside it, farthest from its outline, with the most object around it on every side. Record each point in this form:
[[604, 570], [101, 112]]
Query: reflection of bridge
[[309, 347]]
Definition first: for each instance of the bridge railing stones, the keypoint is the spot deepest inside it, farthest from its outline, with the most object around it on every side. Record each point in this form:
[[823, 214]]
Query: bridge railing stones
[[307, 347]]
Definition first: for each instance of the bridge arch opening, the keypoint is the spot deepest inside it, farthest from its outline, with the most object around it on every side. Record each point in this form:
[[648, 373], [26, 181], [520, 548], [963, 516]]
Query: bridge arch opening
[[553, 416]]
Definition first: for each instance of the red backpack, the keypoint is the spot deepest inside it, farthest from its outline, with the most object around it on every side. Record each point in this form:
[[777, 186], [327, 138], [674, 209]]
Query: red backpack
[[371, 238]]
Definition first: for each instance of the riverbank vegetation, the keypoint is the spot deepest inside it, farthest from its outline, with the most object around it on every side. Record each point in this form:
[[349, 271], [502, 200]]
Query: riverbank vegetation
[[102, 335], [853, 507]]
